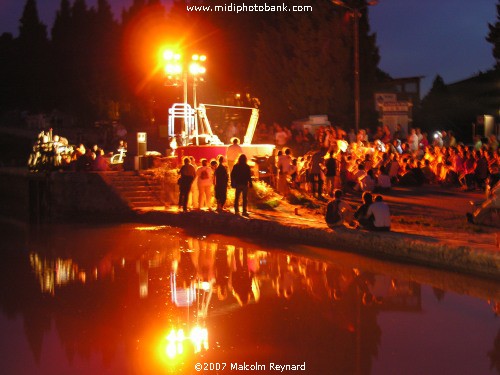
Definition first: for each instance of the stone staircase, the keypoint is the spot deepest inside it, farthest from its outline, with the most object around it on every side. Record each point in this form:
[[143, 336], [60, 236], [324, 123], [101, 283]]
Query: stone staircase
[[138, 190]]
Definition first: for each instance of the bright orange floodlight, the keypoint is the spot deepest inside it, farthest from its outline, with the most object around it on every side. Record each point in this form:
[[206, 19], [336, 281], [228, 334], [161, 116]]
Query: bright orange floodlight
[[173, 69], [169, 55], [196, 69]]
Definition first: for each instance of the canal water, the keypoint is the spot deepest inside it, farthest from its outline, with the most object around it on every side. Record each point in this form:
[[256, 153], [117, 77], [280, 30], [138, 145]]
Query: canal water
[[135, 299]]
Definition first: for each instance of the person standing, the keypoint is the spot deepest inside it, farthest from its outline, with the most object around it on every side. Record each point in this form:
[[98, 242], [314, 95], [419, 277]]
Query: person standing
[[284, 165], [205, 182], [241, 180], [315, 173], [330, 173], [233, 151], [221, 179], [413, 141], [280, 137], [187, 174]]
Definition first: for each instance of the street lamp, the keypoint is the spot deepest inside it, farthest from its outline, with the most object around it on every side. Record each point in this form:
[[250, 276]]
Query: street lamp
[[175, 68], [197, 70], [355, 12]]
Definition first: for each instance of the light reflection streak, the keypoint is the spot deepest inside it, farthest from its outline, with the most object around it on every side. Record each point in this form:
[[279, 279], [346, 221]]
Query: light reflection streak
[[58, 272], [200, 267], [177, 341]]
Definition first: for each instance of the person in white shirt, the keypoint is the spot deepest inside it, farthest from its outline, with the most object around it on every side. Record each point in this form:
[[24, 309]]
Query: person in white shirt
[[233, 152], [280, 137], [413, 141], [359, 175], [204, 176], [381, 214], [367, 182], [383, 181]]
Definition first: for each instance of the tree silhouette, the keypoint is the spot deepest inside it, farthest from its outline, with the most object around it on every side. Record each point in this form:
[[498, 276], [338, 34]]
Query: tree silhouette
[[31, 59], [97, 68], [304, 64], [299, 64], [433, 114], [8, 72], [494, 38]]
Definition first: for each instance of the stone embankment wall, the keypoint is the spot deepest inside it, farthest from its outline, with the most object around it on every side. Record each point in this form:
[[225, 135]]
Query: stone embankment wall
[[14, 195], [85, 193], [29, 197]]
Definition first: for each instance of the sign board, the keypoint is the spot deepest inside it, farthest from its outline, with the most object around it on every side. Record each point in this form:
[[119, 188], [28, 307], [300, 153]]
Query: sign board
[[141, 137], [384, 97], [141, 144], [396, 108], [394, 113]]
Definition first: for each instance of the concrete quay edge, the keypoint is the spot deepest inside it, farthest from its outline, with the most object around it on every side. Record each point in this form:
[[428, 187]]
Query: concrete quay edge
[[394, 246]]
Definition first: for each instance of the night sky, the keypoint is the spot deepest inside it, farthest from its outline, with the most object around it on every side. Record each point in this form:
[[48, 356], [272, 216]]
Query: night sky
[[416, 37]]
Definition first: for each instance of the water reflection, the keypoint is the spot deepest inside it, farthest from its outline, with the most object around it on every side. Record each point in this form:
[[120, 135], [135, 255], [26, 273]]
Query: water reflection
[[153, 299]]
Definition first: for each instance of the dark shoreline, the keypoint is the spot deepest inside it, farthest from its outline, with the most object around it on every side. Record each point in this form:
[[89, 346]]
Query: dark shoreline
[[85, 198]]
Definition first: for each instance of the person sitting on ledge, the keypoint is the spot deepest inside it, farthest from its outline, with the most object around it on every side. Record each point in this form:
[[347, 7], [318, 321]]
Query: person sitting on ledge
[[360, 214], [487, 213], [338, 212], [381, 215]]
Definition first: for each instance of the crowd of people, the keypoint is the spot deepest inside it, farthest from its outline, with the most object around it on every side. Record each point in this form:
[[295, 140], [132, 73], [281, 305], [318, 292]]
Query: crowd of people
[[211, 180], [53, 152], [331, 160], [315, 162]]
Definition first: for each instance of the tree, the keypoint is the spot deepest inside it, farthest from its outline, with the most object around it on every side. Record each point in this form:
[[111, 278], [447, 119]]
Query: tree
[[85, 50], [31, 59], [294, 64], [104, 62], [8, 72], [62, 46], [370, 74], [494, 38], [433, 114], [452, 107], [304, 64]]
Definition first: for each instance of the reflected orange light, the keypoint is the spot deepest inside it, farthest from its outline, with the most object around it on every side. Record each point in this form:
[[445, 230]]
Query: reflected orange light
[[177, 341], [152, 228]]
